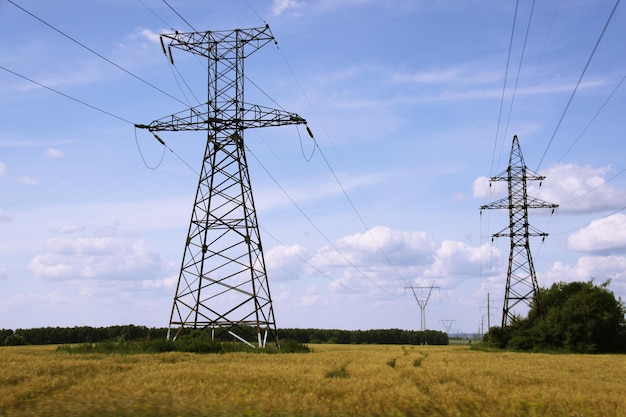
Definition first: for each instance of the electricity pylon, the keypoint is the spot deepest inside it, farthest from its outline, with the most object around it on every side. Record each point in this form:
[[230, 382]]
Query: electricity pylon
[[521, 280], [223, 285], [422, 302]]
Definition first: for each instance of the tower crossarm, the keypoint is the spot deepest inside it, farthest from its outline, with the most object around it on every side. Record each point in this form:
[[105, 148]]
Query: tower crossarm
[[523, 232], [520, 172], [198, 118], [218, 44], [506, 203]]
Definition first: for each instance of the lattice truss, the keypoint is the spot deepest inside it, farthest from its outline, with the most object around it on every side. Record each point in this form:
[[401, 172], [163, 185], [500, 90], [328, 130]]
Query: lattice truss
[[521, 280], [223, 284]]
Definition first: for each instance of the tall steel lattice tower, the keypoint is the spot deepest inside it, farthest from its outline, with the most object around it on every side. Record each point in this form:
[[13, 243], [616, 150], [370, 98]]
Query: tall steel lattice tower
[[223, 285], [521, 280]]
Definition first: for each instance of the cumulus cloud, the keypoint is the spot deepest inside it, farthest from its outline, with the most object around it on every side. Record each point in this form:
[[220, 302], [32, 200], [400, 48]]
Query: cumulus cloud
[[99, 258], [383, 261], [580, 189], [606, 235], [455, 260], [374, 246], [53, 153], [587, 267], [284, 263]]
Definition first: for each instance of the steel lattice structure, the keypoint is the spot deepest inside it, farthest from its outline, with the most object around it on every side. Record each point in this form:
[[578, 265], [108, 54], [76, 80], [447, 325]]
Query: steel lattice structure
[[521, 280], [223, 285]]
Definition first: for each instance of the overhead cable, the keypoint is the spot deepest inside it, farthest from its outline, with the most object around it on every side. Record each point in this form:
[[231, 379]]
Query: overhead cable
[[67, 96], [592, 119], [84, 103], [179, 15], [506, 76], [316, 227], [94, 52], [578, 84], [519, 68]]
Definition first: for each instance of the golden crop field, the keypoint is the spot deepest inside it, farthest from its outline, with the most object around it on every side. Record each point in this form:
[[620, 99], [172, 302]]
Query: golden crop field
[[333, 380]]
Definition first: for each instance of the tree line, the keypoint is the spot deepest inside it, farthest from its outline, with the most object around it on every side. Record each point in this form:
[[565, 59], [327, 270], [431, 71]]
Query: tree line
[[87, 334]]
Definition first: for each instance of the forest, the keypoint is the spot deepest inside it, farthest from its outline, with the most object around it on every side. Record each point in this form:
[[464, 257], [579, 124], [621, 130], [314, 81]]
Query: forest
[[87, 334]]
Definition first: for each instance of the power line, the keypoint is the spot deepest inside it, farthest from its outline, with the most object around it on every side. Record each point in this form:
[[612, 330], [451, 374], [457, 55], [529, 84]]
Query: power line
[[352, 205], [84, 103], [578, 83], [506, 75], [94, 52], [593, 118], [519, 68], [67, 96], [179, 15], [154, 168], [316, 145], [543, 49], [155, 14], [316, 227], [267, 232]]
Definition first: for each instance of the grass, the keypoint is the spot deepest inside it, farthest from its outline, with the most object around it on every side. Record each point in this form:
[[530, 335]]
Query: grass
[[332, 380]]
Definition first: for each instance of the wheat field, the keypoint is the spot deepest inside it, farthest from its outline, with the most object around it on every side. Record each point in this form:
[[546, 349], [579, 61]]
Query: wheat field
[[333, 380]]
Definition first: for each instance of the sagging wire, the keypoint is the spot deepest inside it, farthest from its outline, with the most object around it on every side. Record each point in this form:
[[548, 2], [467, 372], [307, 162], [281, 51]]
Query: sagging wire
[[162, 142], [307, 159], [154, 168]]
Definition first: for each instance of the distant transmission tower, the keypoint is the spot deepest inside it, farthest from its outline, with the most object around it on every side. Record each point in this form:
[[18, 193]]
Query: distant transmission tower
[[521, 280], [223, 285], [422, 302]]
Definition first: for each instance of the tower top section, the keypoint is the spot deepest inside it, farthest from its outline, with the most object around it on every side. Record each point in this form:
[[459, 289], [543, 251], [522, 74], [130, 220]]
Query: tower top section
[[219, 44]]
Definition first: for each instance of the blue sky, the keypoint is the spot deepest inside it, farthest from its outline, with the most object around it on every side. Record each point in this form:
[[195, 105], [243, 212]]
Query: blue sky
[[411, 105]]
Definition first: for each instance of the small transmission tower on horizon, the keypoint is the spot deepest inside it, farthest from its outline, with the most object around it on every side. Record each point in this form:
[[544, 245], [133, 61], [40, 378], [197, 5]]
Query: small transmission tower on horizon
[[422, 302], [223, 285], [521, 279]]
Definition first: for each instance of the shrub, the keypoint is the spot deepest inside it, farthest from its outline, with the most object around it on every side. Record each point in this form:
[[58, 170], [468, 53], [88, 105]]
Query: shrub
[[15, 340]]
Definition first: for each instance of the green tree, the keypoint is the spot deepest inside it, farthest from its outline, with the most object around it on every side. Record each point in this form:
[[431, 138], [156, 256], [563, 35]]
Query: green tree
[[582, 317], [15, 340], [578, 317]]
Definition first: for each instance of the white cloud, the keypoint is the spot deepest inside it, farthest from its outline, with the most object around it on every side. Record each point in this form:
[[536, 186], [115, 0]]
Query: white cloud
[[3, 169], [604, 235], [587, 267], [54, 153], [101, 258], [483, 187], [454, 260], [149, 35], [285, 262], [580, 189], [371, 248], [4, 274], [280, 6]]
